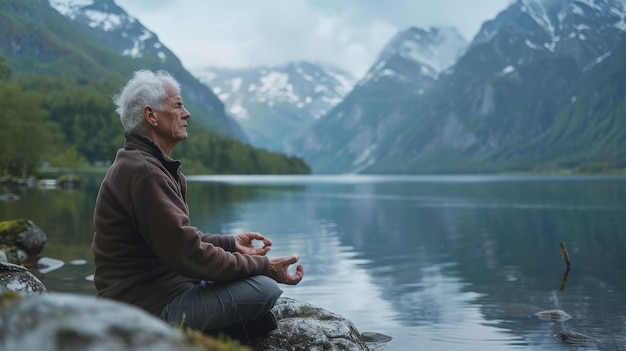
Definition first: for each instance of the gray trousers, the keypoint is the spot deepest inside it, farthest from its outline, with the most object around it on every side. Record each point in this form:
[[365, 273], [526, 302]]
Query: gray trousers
[[210, 305]]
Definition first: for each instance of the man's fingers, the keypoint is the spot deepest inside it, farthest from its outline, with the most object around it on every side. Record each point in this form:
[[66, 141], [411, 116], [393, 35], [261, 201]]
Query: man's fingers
[[255, 235], [258, 236], [299, 272], [287, 261], [297, 276], [279, 270]]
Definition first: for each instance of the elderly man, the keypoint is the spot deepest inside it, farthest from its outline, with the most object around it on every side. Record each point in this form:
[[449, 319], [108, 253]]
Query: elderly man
[[146, 251]]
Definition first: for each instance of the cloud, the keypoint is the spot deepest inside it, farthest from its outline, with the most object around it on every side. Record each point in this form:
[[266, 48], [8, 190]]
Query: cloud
[[346, 33]]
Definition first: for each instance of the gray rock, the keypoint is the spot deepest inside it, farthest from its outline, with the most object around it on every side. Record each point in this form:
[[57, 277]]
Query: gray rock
[[302, 326], [68, 322], [32, 240], [571, 337], [14, 254], [18, 279], [553, 315], [56, 321], [23, 234]]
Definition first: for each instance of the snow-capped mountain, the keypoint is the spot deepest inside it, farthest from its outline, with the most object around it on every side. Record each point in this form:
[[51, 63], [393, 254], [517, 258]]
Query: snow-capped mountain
[[107, 23], [276, 104], [583, 29], [417, 56], [125, 34], [407, 66], [506, 104]]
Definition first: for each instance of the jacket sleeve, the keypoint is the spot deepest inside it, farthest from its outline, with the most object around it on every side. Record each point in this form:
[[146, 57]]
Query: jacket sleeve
[[163, 220], [226, 242]]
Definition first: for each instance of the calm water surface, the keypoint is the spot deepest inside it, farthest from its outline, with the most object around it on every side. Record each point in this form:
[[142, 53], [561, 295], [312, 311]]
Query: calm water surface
[[438, 263]]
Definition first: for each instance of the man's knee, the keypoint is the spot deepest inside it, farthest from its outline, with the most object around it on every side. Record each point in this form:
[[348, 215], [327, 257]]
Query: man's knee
[[268, 288]]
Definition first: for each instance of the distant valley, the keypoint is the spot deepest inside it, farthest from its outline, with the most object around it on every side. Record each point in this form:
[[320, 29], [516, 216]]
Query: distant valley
[[539, 89], [276, 106]]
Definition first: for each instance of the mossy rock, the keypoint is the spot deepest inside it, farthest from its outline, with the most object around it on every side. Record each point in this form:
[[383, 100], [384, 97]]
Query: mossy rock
[[12, 254], [23, 234], [69, 181]]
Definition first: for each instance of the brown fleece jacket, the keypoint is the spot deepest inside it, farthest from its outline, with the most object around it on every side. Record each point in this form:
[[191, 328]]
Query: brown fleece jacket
[[145, 250]]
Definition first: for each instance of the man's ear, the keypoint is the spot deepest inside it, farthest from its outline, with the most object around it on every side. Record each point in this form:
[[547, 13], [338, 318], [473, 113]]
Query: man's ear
[[150, 116]]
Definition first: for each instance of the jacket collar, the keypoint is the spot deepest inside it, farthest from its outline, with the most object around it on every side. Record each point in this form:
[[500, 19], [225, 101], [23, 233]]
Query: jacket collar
[[139, 142]]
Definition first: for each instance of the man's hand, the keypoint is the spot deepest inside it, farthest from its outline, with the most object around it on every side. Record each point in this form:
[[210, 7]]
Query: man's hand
[[278, 270], [243, 243]]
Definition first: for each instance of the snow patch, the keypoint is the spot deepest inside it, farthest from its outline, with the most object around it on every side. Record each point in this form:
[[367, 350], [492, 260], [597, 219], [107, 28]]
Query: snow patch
[[507, 70], [133, 52], [106, 21], [69, 8], [320, 88], [138, 45], [582, 27], [537, 12], [235, 84], [591, 4], [365, 159], [598, 60], [387, 73], [532, 45], [239, 111], [276, 85]]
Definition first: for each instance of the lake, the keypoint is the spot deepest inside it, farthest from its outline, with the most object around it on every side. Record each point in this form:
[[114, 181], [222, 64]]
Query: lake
[[436, 262]]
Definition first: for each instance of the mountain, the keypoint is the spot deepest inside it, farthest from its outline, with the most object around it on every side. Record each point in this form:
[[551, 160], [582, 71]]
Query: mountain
[[413, 59], [589, 132], [509, 102], [84, 39], [407, 67], [277, 105], [66, 63]]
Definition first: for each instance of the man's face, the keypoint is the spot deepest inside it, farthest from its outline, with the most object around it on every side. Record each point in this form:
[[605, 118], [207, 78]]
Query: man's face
[[172, 118]]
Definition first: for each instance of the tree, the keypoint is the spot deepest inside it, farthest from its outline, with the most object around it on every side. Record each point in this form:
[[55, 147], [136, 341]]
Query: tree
[[5, 70], [26, 130]]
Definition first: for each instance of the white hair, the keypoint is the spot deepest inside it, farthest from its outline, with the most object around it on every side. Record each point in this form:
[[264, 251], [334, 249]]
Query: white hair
[[143, 89]]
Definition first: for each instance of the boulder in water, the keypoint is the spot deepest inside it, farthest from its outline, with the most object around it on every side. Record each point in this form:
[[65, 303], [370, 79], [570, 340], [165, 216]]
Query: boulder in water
[[553, 315]]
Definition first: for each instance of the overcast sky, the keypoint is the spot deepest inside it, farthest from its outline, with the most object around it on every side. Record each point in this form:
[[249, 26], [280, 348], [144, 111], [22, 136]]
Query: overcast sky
[[346, 33]]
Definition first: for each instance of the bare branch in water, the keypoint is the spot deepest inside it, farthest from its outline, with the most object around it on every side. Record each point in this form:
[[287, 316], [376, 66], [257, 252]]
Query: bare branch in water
[[564, 254]]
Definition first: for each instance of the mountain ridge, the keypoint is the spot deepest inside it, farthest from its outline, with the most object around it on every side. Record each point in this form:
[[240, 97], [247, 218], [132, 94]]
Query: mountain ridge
[[276, 104], [38, 39], [72, 72], [346, 138], [496, 97]]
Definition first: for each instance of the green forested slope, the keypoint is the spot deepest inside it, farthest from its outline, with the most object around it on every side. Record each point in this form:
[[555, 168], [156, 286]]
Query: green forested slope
[[71, 123], [591, 131], [56, 85]]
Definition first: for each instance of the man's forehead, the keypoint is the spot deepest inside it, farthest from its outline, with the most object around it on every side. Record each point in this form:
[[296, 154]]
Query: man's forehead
[[173, 93]]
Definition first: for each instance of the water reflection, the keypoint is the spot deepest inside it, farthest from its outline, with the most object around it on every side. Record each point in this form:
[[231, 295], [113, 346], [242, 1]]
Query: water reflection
[[446, 263], [450, 257]]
